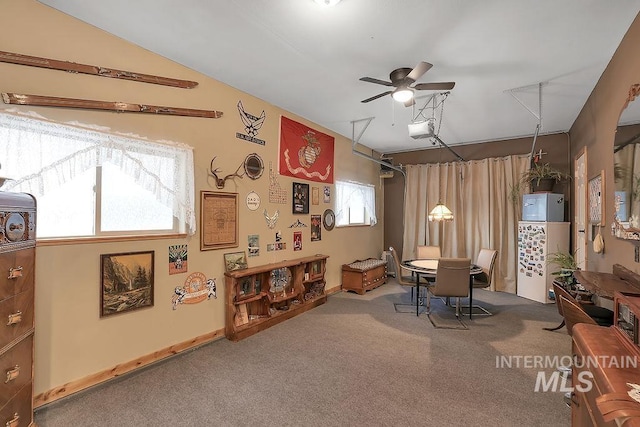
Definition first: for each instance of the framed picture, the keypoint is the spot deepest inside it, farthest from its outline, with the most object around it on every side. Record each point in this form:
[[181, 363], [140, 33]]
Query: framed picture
[[235, 261], [315, 195], [246, 288], [316, 228], [126, 282], [300, 198], [596, 195], [219, 218]]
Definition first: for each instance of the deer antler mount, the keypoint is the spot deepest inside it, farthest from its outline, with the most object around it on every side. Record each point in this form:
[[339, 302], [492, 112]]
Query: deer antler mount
[[221, 181]]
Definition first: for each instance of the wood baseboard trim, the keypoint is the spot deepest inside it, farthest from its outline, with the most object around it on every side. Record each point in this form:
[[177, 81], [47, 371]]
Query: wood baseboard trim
[[333, 290], [124, 368]]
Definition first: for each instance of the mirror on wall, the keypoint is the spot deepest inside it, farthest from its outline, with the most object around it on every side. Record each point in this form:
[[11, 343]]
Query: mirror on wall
[[626, 170]]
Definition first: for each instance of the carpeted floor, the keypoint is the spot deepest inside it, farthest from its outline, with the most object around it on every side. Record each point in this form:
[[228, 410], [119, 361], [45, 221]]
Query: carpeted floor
[[352, 361]]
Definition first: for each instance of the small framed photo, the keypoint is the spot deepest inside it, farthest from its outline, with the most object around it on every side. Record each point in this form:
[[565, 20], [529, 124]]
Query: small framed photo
[[126, 282], [300, 198], [246, 288], [235, 261], [315, 195]]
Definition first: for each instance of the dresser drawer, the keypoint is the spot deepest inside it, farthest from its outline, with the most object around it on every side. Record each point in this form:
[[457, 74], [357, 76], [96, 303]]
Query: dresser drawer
[[17, 272], [18, 412], [16, 317], [15, 369]]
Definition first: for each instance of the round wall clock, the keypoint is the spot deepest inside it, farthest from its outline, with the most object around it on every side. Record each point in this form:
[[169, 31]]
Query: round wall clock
[[328, 219]]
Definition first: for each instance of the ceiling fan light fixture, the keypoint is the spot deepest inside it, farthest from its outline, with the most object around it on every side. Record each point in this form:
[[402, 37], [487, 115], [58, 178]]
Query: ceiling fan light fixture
[[402, 94], [327, 3]]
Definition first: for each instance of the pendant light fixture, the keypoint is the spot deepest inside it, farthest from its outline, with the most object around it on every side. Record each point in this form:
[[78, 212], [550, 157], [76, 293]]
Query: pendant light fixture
[[440, 212]]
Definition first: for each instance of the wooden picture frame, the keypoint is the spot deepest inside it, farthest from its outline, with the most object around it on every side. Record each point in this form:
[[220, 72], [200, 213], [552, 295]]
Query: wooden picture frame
[[300, 198], [596, 197], [235, 261], [218, 220], [126, 282], [246, 288]]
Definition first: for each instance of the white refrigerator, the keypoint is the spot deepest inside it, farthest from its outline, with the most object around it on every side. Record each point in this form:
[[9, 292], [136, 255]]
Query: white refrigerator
[[536, 240]]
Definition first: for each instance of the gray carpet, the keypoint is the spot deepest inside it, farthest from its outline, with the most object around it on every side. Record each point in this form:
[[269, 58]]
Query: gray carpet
[[352, 361]]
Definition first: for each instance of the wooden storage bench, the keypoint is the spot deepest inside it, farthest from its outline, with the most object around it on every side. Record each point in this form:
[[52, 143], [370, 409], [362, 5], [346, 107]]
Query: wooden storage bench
[[363, 275]]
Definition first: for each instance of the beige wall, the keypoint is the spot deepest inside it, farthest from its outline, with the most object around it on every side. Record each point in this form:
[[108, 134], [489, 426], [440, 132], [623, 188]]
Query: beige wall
[[72, 341], [594, 129]]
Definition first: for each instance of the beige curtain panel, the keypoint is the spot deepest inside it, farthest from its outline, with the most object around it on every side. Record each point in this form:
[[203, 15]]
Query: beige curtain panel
[[478, 194]]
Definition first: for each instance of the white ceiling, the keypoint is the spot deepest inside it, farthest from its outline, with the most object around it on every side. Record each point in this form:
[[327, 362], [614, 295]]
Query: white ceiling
[[308, 59]]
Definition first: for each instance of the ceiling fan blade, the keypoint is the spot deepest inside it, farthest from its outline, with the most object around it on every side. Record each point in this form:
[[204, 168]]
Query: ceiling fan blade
[[435, 86], [419, 70], [380, 95], [372, 80]]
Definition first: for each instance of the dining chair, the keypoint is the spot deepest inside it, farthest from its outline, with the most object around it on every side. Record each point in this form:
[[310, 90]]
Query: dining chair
[[407, 281], [452, 281], [601, 315], [486, 260], [428, 252]]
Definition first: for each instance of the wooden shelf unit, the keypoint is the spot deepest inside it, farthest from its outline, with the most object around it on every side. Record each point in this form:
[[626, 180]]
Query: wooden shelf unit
[[252, 305]]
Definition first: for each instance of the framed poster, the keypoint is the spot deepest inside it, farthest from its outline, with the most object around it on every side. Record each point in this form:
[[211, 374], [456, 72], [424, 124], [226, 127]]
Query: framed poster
[[126, 282], [300, 198], [219, 220], [596, 195], [235, 261]]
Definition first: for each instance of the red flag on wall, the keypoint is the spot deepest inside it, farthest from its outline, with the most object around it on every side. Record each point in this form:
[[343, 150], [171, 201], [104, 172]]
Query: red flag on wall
[[305, 153]]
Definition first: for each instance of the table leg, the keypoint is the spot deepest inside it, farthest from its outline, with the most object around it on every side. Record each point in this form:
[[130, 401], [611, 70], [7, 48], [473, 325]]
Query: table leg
[[417, 293], [470, 297]]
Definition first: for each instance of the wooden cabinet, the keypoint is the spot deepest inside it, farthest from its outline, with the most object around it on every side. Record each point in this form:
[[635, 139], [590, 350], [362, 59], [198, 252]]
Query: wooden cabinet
[[257, 298], [17, 278], [363, 275]]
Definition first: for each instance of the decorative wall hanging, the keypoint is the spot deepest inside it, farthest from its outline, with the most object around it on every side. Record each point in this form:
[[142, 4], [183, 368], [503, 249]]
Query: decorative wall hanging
[[120, 107], [219, 217], [276, 193], [297, 240], [253, 166], [305, 153], [271, 220], [596, 193], [94, 70], [300, 198], [178, 259], [196, 288], [221, 181], [252, 125], [327, 194], [328, 219], [235, 261], [297, 224], [253, 245], [276, 246], [315, 195], [126, 282], [253, 201], [316, 229]]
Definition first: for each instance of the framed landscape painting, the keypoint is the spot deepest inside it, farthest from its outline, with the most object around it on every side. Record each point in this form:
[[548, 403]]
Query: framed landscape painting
[[126, 282]]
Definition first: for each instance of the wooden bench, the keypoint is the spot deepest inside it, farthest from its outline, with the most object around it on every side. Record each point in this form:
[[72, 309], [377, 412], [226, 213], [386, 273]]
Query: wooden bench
[[363, 275]]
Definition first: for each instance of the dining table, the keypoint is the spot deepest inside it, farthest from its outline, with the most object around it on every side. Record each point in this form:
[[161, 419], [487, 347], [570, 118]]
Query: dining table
[[428, 268]]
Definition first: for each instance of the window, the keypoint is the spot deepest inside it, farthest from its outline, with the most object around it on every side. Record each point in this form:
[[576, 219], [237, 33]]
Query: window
[[355, 204], [91, 183]]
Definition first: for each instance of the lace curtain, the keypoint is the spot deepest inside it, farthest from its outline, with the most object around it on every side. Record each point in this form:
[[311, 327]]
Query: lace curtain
[[40, 155], [350, 194], [478, 194]]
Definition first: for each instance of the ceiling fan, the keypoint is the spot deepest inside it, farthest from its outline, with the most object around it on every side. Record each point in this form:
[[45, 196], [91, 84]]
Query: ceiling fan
[[402, 79]]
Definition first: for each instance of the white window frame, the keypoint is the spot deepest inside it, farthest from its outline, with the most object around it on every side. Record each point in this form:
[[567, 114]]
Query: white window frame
[[348, 193], [31, 156]]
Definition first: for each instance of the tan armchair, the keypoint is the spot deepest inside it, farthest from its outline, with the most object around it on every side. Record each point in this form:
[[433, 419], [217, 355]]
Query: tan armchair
[[407, 281], [486, 260], [428, 252], [452, 281]]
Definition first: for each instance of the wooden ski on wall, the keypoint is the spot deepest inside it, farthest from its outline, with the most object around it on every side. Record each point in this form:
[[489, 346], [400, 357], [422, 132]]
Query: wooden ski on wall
[[121, 107], [54, 64]]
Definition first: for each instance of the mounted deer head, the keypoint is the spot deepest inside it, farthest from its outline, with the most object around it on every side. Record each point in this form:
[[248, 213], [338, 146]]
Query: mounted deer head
[[220, 181]]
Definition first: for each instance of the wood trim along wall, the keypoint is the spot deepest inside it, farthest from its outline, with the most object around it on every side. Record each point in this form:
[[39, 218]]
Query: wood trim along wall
[[124, 368]]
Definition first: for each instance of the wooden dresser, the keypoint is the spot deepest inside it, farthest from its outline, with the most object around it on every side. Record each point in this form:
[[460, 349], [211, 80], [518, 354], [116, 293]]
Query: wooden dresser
[[606, 362], [17, 278]]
